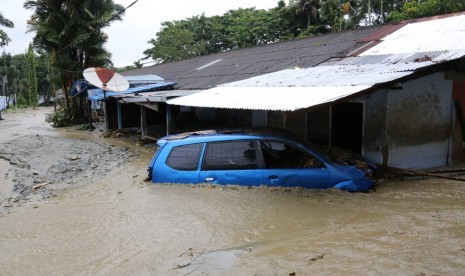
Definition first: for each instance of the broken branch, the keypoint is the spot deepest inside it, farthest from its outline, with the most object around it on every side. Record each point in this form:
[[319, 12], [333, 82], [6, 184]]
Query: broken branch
[[423, 173]]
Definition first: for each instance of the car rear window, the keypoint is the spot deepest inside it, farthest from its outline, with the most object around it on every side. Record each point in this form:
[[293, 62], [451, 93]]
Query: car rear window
[[231, 155], [184, 158]]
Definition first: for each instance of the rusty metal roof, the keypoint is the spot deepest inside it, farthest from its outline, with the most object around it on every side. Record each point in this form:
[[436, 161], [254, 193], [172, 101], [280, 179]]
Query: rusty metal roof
[[383, 32]]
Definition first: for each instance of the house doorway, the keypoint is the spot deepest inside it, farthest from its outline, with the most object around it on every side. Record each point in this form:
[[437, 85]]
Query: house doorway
[[347, 126]]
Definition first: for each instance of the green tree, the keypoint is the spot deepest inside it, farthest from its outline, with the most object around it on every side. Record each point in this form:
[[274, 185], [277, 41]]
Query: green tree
[[33, 98], [4, 39], [417, 9], [249, 27], [43, 83], [69, 32], [138, 64], [306, 11], [175, 41], [201, 35], [17, 67]]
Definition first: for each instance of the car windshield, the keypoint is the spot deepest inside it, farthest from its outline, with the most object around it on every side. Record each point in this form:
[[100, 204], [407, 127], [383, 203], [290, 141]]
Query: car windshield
[[318, 149]]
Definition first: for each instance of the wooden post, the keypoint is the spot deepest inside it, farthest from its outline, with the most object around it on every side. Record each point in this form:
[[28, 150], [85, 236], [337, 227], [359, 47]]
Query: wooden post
[[89, 110], [143, 121], [105, 113], [169, 119], [120, 116]]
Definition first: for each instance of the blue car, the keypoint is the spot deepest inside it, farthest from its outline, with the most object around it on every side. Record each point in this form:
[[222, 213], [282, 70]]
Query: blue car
[[252, 158]]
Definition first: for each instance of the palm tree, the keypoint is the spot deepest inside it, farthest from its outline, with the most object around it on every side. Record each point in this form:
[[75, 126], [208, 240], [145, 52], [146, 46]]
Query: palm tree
[[70, 33], [310, 9], [4, 39]]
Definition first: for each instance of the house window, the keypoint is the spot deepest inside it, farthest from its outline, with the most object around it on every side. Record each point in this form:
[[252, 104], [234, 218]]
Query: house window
[[185, 158], [231, 155]]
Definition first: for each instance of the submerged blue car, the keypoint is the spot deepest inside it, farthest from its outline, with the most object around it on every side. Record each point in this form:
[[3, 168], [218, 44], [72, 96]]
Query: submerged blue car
[[254, 157]]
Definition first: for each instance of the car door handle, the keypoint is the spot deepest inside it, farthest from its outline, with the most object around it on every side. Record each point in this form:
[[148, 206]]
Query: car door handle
[[209, 179], [273, 178]]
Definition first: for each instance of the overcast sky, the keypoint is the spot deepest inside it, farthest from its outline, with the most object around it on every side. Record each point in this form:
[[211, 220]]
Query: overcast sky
[[128, 38]]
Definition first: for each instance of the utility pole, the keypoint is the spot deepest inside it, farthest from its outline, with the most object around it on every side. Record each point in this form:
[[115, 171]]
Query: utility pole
[[369, 12], [340, 16], [382, 12], [5, 78], [4, 82]]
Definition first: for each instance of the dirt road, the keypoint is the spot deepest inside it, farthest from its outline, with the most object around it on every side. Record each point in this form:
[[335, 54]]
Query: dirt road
[[117, 224]]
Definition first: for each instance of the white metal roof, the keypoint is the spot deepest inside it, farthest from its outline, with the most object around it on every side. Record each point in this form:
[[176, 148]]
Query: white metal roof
[[295, 89], [443, 34], [266, 98]]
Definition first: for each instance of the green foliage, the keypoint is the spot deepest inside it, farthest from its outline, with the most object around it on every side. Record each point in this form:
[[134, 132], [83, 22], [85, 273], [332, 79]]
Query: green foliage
[[201, 35], [21, 101], [175, 42], [84, 127], [32, 78], [417, 9], [62, 117], [69, 32], [4, 38]]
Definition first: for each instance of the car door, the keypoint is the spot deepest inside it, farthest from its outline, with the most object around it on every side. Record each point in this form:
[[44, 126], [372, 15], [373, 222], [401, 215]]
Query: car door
[[231, 162], [288, 165], [178, 164]]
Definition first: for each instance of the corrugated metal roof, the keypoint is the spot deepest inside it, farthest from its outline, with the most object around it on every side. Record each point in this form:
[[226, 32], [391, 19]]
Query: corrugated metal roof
[[435, 56], [427, 36], [383, 32], [248, 62], [338, 75], [266, 98], [294, 89]]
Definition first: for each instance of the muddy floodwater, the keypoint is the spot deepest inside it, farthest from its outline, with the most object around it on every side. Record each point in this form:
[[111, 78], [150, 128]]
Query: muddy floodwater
[[118, 224]]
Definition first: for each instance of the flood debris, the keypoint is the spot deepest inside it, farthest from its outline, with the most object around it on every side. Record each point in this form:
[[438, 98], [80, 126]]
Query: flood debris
[[432, 174], [190, 262], [39, 185], [317, 257], [189, 251], [146, 140], [120, 133], [44, 165]]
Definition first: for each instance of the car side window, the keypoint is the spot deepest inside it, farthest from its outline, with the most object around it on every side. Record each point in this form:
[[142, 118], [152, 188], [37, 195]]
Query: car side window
[[185, 158], [231, 155], [280, 155]]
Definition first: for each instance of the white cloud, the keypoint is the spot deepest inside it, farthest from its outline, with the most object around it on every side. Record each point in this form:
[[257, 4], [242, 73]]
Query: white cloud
[[128, 38]]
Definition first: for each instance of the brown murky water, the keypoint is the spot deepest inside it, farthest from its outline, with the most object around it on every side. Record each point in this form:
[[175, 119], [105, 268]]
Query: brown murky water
[[122, 225]]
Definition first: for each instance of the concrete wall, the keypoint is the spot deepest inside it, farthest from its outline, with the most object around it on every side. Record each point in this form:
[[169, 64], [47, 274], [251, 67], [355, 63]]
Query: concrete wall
[[374, 132], [409, 127]]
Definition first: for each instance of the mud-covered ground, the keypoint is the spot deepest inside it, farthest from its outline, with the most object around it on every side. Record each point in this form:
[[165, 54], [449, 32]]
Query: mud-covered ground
[[36, 165], [108, 221]]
